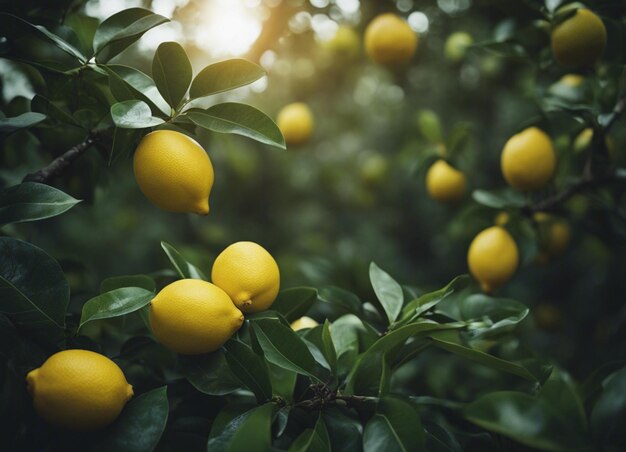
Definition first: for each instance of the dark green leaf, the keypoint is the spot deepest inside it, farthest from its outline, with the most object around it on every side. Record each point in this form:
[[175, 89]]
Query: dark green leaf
[[328, 347], [224, 76], [560, 392], [239, 119], [121, 30], [133, 114], [312, 440], [249, 368], [22, 121], [124, 140], [182, 267], [249, 431], [294, 303], [33, 289], [128, 83], [609, 412], [118, 282], [388, 292], [31, 201], [345, 432], [46, 107], [344, 300], [172, 72], [115, 303], [499, 200], [396, 427], [209, 373], [141, 424]]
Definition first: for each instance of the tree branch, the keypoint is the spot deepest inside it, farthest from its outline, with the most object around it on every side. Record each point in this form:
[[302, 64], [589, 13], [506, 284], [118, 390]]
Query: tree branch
[[61, 163]]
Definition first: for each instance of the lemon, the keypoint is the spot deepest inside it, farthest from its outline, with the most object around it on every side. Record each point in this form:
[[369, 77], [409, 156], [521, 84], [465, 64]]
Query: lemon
[[502, 218], [528, 160], [493, 258], [296, 123], [345, 42], [457, 45], [249, 274], [579, 41], [79, 390], [389, 40], [445, 183], [583, 140], [302, 323], [174, 172], [572, 80], [191, 316]]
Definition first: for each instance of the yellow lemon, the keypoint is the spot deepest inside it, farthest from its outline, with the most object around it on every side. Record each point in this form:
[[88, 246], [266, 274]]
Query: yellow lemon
[[493, 258], [345, 42], [174, 172], [79, 390], [191, 316], [389, 40], [445, 183], [502, 218], [302, 323], [579, 41], [249, 274], [572, 80], [296, 123], [457, 45], [584, 138], [528, 160]]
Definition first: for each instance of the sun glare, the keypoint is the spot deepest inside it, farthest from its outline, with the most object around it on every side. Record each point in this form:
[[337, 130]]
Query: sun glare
[[230, 27]]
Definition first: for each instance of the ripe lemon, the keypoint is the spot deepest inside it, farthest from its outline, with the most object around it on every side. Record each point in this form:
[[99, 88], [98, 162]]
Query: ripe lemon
[[346, 42], [191, 316], [389, 40], [493, 258], [296, 123], [457, 45], [572, 80], [249, 274], [302, 323], [528, 160], [579, 41], [584, 139], [79, 390], [445, 183], [174, 172]]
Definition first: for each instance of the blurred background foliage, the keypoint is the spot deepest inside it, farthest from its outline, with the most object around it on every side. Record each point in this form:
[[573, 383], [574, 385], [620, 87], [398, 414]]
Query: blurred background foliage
[[355, 192]]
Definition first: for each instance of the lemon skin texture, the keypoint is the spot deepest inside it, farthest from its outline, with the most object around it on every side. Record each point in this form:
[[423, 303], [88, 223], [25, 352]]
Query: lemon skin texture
[[248, 274], [296, 123], [303, 322], [191, 316], [528, 160], [389, 40], [445, 183], [493, 258], [580, 40], [79, 390], [174, 172]]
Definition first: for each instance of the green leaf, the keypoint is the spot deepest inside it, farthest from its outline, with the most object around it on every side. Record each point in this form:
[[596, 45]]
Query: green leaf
[[294, 303], [396, 426], [48, 108], [239, 119], [417, 307], [31, 201], [499, 199], [312, 440], [23, 121], [128, 83], [119, 282], [141, 424], [609, 412], [121, 30], [33, 289], [133, 114], [209, 373], [85, 28], [342, 299], [14, 27], [185, 269], [249, 431], [328, 347], [345, 432], [249, 368], [526, 419], [224, 76], [124, 140], [561, 392], [283, 347], [115, 303], [388, 292], [172, 72]]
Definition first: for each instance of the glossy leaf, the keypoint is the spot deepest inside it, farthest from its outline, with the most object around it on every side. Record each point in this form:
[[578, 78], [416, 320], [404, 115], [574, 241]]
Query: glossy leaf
[[388, 292], [115, 303], [239, 119], [344, 431], [133, 114], [32, 201], [141, 424], [249, 431], [128, 83], [609, 412], [209, 373], [396, 427], [122, 29], [342, 299], [46, 107], [23, 121], [182, 267], [249, 368], [124, 141], [33, 289], [312, 440], [499, 200], [172, 72], [224, 76], [294, 303]]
